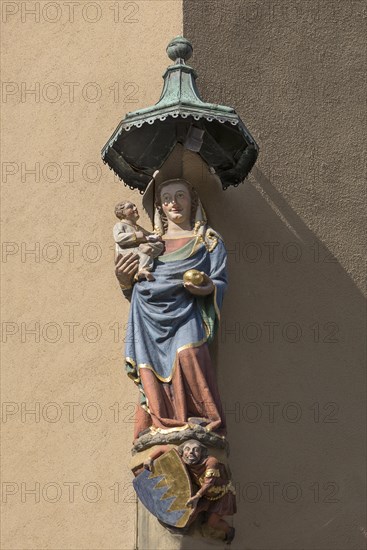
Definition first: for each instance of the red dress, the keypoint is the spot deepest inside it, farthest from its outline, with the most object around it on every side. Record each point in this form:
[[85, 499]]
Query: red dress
[[193, 391]]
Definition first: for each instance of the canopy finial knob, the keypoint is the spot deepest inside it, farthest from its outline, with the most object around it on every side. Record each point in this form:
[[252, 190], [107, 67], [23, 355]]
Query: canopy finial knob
[[179, 48]]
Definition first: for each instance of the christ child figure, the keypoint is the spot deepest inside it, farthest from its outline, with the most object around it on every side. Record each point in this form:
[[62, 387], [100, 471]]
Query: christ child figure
[[130, 237]]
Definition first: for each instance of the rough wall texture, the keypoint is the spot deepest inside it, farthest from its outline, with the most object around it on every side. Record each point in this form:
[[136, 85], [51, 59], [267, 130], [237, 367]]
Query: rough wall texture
[[112, 54], [291, 354]]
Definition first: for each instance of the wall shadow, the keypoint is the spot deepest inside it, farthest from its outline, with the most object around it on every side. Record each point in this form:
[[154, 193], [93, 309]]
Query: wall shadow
[[290, 364], [291, 349]]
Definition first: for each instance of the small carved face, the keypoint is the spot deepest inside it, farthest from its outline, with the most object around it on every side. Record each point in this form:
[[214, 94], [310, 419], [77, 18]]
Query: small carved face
[[191, 453], [130, 212], [176, 202]]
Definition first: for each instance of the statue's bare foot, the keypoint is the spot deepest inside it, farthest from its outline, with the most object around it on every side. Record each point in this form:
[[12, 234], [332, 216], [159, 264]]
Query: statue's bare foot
[[198, 421], [211, 426]]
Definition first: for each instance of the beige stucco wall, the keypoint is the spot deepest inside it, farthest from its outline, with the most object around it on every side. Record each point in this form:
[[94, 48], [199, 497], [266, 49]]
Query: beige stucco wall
[[291, 371], [294, 71], [37, 211]]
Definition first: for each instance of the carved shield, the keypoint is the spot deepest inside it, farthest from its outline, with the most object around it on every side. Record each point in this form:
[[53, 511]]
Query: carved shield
[[165, 491]]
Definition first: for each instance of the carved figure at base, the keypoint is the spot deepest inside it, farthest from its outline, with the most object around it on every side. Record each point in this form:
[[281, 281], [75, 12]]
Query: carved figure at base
[[130, 237], [214, 492]]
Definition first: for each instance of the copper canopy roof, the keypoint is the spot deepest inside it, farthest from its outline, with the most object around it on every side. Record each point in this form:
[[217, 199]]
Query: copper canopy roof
[[144, 138]]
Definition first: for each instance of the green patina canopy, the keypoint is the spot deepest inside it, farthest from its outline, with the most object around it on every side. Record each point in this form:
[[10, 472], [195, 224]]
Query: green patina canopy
[[144, 139]]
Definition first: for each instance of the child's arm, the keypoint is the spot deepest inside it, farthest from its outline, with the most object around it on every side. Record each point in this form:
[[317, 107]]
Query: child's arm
[[127, 239]]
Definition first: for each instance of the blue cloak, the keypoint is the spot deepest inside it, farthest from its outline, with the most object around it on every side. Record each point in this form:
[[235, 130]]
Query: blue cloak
[[165, 317]]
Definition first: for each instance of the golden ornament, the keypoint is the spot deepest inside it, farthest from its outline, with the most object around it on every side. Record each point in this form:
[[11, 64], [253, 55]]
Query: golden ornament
[[193, 276]]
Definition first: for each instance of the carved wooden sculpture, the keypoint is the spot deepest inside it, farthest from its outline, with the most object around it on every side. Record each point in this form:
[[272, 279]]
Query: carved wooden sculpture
[[171, 322], [176, 297]]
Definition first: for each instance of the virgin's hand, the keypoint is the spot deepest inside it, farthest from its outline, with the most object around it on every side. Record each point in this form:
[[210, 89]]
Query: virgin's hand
[[126, 267], [202, 290]]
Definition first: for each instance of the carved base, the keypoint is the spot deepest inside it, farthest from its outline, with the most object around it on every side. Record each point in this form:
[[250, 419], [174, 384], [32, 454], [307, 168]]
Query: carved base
[[178, 436], [151, 535]]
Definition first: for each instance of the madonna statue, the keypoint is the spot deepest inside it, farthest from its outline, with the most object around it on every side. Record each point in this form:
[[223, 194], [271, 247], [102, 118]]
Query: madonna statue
[[172, 321]]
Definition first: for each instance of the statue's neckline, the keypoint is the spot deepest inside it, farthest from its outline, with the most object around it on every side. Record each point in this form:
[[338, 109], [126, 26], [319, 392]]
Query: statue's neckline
[[183, 236], [131, 224]]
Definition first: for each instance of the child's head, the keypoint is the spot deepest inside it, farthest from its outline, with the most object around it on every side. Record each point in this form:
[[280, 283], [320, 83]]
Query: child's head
[[126, 210]]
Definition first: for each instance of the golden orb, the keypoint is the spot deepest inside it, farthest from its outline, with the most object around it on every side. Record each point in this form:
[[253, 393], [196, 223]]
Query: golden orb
[[193, 276]]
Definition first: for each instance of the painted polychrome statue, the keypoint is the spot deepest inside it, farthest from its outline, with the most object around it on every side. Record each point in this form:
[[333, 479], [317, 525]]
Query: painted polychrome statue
[[172, 320], [211, 488], [129, 236]]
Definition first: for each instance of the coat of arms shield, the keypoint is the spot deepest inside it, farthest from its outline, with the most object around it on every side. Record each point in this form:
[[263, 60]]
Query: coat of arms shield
[[165, 490]]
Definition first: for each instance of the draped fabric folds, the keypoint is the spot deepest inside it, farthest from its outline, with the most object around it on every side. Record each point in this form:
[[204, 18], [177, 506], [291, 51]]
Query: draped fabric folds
[[168, 334]]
